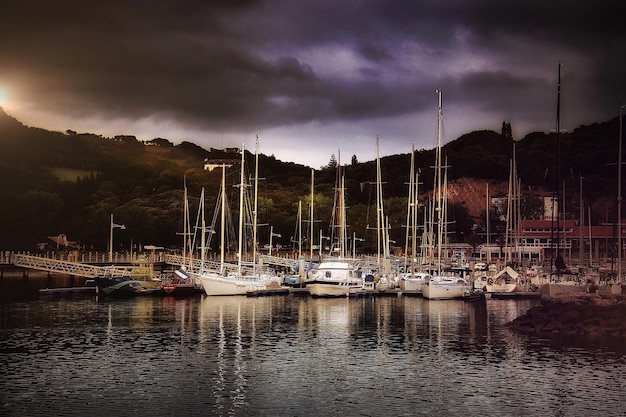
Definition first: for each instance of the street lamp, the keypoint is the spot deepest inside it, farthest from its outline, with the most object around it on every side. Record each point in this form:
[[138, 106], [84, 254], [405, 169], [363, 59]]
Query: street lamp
[[272, 234], [322, 238], [113, 226], [354, 240], [61, 236]]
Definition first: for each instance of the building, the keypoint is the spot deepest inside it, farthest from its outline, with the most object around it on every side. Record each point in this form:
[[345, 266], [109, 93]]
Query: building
[[211, 164], [537, 241]]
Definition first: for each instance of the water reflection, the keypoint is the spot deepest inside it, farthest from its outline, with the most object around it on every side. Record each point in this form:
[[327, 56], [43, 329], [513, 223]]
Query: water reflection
[[293, 356]]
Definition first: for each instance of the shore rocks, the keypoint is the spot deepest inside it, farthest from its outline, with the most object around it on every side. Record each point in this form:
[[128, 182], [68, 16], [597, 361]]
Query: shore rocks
[[583, 314]]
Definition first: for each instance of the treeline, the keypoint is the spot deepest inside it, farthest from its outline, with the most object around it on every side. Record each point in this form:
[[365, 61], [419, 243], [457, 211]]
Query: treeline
[[68, 183]]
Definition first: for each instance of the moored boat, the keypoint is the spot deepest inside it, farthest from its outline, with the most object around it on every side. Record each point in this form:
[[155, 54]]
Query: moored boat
[[237, 283], [441, 285], [334, 278], [414, 281], [445, 287], [140, 280], [226, 280], [504, 281], [126, 287], [179, 284], [337, 276]]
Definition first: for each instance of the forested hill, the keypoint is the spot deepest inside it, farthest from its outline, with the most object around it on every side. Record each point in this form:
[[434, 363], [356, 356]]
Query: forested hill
[[70, 183]]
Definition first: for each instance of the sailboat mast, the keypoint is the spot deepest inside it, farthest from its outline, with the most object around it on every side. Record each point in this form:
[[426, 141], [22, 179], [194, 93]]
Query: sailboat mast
[[185, 209], [379, 215], [241, 209], [438, 182], [339, 210], [223, 217], [619, 199], [509, 214], [256, 195], [410, 209], [203, 229], [299, 228], [557, 175], [444, 215], [342, 222], [415, 204], [487, 220], [311, 237]]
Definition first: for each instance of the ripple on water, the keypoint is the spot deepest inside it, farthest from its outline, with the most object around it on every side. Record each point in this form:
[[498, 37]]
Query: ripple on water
[[279, 356]]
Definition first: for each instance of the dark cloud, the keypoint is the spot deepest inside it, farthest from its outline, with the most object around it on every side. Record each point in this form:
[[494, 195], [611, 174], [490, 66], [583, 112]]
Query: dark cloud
[[240, 66]]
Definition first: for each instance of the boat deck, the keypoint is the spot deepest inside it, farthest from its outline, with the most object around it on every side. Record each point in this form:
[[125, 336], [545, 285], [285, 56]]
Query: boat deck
[[515, 295]]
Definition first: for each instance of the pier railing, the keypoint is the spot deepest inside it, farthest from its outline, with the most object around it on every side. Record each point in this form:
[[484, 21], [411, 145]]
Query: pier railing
[[6, 257], [70, 268]]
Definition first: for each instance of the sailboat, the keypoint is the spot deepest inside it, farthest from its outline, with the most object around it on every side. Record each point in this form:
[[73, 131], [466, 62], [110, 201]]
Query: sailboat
[[441, 285], [384, 279], [239, 281], [181, 283], [506, 280], [413, 280], [337, 276]]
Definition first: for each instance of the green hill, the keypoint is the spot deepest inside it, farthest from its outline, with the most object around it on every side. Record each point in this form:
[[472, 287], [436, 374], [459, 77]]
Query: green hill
[[55, 183]]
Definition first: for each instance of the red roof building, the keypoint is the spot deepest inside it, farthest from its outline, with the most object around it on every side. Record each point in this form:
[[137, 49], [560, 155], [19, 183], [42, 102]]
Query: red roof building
[[538, 240]]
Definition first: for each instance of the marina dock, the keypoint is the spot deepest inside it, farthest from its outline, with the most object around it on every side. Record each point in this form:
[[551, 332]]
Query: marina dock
[[516, 295], [67, 291], [268, 292]]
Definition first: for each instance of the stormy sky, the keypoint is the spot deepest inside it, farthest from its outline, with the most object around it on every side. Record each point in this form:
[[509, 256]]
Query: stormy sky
[[311, 78]]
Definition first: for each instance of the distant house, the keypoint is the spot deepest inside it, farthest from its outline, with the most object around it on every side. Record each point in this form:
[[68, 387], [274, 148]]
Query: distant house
[[211, 164]]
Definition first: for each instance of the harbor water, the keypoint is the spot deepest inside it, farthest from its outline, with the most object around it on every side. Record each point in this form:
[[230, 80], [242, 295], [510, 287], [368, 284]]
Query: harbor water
[[293, 356]]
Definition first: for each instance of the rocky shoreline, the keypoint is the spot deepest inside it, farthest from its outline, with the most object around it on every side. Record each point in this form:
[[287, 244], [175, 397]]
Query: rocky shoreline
[[593, 315]]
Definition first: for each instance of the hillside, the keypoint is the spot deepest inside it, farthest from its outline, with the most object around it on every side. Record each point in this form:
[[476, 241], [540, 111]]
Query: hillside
[[55, 183], [472, 193]]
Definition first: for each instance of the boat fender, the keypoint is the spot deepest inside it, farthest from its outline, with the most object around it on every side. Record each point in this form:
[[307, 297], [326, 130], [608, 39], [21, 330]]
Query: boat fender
[[490, 281]]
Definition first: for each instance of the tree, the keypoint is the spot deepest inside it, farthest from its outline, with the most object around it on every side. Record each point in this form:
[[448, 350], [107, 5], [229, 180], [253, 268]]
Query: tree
[[354, 160], [161, 142], [333, 162], [531, 207]]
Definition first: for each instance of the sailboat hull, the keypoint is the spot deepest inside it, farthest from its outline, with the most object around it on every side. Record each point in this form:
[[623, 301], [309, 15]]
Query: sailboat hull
[[215, 284], [411, 285], [444, 290], [414, 282]]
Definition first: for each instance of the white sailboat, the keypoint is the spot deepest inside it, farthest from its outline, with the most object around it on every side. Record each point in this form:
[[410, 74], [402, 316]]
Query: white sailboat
[[412, 280], [442, 285], [336, 277], [385, 278], [242, 280]]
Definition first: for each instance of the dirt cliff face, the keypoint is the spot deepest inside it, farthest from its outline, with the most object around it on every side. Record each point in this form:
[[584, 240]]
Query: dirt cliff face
[[587, 315], [472, 193]]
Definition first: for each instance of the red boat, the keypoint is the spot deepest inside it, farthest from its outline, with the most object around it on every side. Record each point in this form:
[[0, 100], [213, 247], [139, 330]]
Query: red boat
[[179, 284]]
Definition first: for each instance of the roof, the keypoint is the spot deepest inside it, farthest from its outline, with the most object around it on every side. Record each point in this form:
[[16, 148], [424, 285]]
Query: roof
[[569, 228]]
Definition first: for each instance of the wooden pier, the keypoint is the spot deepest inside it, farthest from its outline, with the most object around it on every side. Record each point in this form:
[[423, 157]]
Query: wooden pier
[[268, 292], [69, 291], [515, 295]]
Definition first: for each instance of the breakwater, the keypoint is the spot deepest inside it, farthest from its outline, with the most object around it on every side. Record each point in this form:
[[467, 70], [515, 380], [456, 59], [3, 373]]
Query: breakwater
[[593, 315]]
